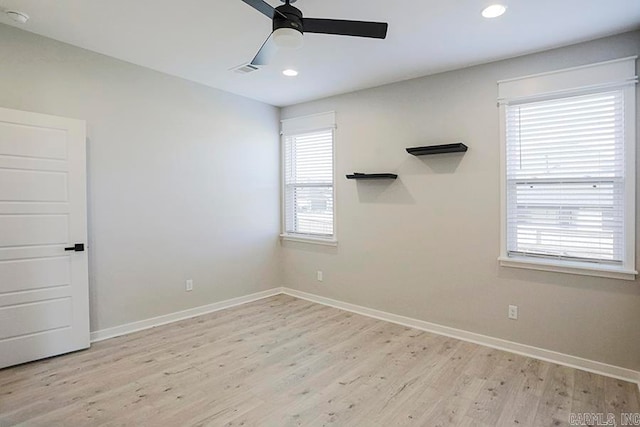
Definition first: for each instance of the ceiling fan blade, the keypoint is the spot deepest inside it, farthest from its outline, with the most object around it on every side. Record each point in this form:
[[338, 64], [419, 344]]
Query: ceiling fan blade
[[264, 8], [376, 30], [266, 52]]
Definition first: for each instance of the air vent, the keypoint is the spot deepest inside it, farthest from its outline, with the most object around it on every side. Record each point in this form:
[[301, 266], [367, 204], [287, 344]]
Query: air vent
[[245, 69]]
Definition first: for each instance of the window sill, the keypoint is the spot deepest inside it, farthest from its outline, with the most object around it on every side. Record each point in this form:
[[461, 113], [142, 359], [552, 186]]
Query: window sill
[[309, 239], [584, 269]]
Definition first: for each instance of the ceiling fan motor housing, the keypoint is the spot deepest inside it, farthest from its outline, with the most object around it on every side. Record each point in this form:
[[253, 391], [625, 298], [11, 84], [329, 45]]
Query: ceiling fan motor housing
[[293, 18]]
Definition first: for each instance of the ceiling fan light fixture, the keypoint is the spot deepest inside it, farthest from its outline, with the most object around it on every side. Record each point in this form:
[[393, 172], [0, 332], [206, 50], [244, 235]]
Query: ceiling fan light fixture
[[494, 11], [288, 38]]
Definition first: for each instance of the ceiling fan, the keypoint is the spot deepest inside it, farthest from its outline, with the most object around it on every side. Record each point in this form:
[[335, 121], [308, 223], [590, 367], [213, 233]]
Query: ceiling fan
[[289, 26]]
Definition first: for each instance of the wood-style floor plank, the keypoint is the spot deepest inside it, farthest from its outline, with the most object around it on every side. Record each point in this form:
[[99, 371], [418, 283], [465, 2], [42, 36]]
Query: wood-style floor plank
[[283, 361]]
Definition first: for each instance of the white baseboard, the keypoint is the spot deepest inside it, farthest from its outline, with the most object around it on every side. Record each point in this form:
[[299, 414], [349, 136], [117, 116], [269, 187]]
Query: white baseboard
[[497, 343], [128, 328]]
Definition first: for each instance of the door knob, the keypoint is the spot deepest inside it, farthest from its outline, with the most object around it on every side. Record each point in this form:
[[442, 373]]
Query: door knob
[[78, 247]]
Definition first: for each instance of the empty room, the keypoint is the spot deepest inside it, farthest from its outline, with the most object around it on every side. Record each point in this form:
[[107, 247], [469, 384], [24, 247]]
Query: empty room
[[319, 213]]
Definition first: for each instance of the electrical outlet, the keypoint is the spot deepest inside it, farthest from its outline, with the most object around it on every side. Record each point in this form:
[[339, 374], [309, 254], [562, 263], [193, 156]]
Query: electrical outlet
[[189, 285], [513, 312], [319, 274]]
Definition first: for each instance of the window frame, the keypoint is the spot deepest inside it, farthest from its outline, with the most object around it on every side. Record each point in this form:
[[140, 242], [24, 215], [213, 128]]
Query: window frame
[[589, 79], [304, 125]]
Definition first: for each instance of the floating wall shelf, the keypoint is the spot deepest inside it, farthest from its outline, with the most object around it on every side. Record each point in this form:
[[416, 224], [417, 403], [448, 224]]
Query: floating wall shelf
[[458, 147], [357, 175]]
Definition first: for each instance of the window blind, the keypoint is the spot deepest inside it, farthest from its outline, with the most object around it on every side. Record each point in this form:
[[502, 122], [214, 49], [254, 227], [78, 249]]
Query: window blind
[[565, 178], [308, 182]]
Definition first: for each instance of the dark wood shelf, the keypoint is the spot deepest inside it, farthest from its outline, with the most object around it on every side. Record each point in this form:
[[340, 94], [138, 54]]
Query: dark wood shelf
[[357, 175], [458, 147]]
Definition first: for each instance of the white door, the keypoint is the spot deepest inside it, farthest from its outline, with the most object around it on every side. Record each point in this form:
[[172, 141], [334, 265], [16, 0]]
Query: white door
[[44, 302]]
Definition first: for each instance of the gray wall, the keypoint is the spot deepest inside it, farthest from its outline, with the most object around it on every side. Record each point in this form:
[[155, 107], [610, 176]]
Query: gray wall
[[183, 179], [426, 245]]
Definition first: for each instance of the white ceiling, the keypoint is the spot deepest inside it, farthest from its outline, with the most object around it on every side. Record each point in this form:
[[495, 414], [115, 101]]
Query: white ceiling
[[200, 40]]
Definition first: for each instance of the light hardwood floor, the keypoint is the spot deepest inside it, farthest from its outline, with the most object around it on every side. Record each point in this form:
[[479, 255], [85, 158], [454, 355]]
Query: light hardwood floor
[[282, 361]]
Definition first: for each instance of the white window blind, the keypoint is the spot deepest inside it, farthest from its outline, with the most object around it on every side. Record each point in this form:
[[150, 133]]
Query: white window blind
[[565, 175], [308, 184]]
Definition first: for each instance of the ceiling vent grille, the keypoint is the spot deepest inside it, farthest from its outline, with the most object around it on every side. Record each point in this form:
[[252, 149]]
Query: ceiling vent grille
[[245, 69]]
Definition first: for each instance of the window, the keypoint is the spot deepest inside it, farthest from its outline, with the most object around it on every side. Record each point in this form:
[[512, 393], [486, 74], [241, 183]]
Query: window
[[308, 175], [568, 159], [565, 178]]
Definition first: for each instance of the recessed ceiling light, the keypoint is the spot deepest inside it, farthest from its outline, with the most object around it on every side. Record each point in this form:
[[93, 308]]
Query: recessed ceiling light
[[494, 11], [20, 17], [290, 72]]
